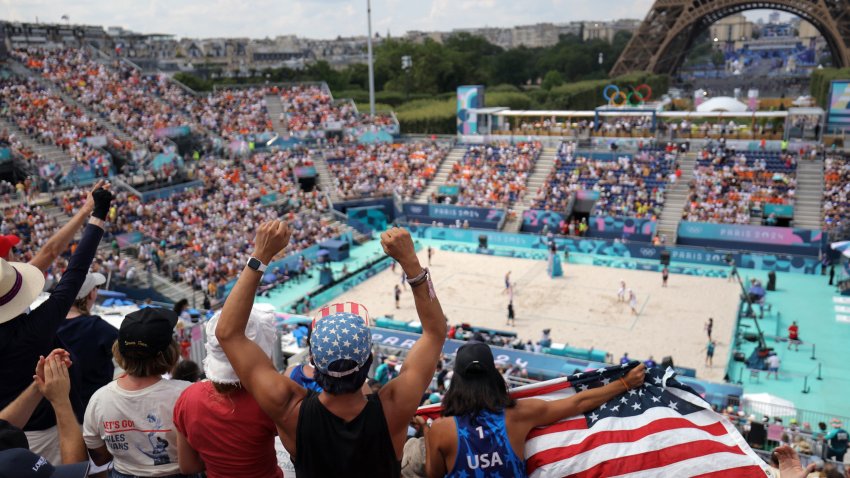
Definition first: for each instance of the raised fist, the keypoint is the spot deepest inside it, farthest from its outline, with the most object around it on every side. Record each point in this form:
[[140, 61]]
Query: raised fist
[[272, 238], [398, 244], [102, 198]]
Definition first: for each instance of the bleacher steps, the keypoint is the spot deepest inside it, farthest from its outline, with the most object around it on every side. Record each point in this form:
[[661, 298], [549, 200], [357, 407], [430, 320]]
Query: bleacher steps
[[675, 199], [455, 155], [326, 179], [808, 209], [275, 108], [23, 71], [47, 151], [536, 180]]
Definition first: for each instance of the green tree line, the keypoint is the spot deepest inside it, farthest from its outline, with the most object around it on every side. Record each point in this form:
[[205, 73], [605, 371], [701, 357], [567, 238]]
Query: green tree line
[[463, 59], [567, 75]]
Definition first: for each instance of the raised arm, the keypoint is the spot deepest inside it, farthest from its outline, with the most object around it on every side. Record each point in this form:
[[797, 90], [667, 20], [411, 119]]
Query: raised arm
[[47, 317], [58, 244], [275, 393], [537, 413], [401, 396]]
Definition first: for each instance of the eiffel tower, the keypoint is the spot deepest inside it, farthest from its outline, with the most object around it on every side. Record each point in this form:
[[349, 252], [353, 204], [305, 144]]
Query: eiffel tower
[[667, 32]]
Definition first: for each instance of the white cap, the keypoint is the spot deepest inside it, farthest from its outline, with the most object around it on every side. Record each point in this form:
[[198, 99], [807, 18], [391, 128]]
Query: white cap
[[260, 329], [93, 279]]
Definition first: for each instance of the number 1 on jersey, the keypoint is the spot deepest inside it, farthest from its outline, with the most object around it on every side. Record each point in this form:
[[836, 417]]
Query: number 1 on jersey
[[480, 432]]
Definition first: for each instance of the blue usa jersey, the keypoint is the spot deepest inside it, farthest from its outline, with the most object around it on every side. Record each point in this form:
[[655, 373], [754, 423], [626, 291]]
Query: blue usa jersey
[[483, 448]]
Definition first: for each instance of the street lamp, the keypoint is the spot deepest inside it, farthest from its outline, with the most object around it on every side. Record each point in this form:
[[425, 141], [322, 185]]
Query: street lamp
[[406, 65], [371, 65]]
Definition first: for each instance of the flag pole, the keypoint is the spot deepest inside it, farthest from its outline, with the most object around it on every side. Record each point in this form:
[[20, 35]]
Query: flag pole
[[371, 66]]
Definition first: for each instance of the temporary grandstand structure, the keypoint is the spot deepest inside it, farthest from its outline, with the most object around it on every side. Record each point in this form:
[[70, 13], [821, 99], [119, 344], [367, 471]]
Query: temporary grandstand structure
[[722, 103], [496, 120]]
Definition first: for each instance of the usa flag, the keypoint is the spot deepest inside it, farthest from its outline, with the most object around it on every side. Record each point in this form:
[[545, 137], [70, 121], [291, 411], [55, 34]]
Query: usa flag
[[662, 429]]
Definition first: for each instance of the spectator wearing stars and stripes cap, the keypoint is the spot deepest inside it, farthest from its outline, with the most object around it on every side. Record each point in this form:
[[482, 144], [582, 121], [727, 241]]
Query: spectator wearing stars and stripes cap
[[341, 347]]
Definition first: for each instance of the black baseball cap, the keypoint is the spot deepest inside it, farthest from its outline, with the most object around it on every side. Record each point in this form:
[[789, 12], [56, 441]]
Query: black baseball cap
[[22, 463], [12, 437], [146, 332], [474, 358]]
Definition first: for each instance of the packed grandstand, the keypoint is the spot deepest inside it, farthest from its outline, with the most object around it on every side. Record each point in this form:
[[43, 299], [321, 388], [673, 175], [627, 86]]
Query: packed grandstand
[[193, 176]]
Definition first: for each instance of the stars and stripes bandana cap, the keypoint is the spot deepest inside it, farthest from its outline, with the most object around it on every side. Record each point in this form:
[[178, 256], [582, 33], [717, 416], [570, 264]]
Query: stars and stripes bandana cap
[[339, 336]]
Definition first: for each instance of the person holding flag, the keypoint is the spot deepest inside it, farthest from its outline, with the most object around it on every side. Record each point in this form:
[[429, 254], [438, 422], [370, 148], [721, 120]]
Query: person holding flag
[[484, 428], [623, 420]]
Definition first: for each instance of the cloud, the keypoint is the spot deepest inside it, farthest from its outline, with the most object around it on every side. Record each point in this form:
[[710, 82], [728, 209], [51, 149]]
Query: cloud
[[315, 18]]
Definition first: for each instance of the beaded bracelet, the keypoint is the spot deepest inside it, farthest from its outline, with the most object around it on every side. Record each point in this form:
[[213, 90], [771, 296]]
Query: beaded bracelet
[[424, 276]]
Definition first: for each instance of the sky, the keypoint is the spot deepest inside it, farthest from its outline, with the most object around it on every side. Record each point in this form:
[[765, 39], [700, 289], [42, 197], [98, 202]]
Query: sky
[[314, 18]]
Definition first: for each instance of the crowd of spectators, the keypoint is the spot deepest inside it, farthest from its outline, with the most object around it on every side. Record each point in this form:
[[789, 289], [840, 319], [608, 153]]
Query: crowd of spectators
[[493, 175], [628, 185], [723, 129], [382, 169], [231, 113], [728, 185], [836, 191], [189, 236], [766, 433], [48, 119], [140, 105]]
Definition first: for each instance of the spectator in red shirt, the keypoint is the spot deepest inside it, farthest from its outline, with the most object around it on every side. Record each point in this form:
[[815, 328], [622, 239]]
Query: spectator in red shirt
[[793, 336], [221, 428]]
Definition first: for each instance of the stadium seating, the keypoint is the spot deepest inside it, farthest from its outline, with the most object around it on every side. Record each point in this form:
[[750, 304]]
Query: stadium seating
[[836, 194], [628, 185], [384, 169], [493, 175], [729, 186]]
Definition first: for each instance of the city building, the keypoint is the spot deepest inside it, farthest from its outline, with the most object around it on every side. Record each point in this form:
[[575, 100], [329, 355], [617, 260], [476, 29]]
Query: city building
[[730, 33]]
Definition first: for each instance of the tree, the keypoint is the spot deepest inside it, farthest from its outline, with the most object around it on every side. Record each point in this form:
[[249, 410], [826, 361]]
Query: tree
[[552, 79]]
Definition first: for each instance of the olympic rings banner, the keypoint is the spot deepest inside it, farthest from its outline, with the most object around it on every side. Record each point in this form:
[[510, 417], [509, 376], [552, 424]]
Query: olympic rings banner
[[628, 95]]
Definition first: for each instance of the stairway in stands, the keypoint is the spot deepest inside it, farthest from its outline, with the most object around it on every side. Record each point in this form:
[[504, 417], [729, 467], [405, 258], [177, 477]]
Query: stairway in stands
[[675, 199], [25, 72], [165, 286], [47, 151], [536, 180], [275, 109], [808, 208], [456, 154]]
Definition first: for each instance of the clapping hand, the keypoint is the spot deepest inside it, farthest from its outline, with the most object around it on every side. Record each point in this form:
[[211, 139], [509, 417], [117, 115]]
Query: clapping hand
[[55, 383]]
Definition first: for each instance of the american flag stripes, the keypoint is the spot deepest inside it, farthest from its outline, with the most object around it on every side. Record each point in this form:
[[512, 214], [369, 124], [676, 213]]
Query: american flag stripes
[[663, 429], [340, 308]]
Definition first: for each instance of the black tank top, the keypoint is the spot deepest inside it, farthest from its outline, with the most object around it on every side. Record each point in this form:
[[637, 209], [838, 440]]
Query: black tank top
[[327, 446]]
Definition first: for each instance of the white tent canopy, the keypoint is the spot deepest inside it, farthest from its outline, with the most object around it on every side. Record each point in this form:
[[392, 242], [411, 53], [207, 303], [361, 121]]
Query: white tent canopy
[[722, 103]]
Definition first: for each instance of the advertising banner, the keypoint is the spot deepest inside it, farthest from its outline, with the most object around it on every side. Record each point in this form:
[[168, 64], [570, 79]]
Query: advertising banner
[[305, 172], [531, 246], [838, 111], [479, 217], [785, 240], [468, 98], [615, 227], [367, 219], [534, 220]]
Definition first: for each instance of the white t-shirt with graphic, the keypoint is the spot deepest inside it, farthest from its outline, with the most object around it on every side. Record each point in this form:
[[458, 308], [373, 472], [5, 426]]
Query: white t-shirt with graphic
[[136, 427]]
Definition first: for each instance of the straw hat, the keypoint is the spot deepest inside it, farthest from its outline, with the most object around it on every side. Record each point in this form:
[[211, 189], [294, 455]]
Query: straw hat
[[20, 284]]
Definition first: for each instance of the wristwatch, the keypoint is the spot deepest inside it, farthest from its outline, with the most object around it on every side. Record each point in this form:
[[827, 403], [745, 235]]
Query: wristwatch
[[256, 264]]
